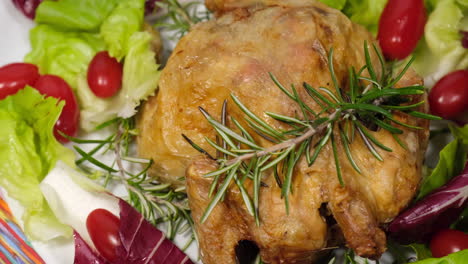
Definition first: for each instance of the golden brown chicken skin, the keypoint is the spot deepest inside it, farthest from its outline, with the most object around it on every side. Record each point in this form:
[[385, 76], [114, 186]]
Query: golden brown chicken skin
[[234, 54]]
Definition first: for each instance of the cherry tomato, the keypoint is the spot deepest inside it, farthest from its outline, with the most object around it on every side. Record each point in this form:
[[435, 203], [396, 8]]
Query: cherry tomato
[[448, 241], [56, 87], [449, 96], [103, 228], [13, 77], [400, 27], [104, 75]]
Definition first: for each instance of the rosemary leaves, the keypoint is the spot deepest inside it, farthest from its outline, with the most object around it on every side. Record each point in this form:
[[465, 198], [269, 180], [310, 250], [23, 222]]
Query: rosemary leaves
[[367, 104], [160, 204]]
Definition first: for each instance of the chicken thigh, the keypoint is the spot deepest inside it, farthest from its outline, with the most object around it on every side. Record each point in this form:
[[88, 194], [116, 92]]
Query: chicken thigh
[[234, 54]]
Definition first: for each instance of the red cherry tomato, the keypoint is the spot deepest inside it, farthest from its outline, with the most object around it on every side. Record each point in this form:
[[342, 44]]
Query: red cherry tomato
[[103, 228], [449, 96], [56, 87], [400, 27], [13, 77], [104, 75], [448, 241]]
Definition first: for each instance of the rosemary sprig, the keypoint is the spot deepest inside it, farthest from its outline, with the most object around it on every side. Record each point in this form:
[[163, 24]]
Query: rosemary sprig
[[367, 105], [180, 17], [160, 204]]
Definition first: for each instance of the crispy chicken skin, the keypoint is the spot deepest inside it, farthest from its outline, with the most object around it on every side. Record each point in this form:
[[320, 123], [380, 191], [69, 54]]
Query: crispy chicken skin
[[234, 54]]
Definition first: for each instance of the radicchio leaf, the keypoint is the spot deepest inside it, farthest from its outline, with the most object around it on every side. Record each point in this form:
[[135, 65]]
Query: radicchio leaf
[[434, 212], [464, 39], [150, 6], [28, 7], [141, 243], [84, 254]]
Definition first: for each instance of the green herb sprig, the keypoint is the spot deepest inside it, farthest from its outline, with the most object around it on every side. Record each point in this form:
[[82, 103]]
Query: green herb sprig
[[160, 204], [367, 105], [180, 17]]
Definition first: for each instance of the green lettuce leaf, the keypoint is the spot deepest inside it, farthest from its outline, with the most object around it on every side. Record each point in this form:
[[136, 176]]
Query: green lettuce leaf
[[422, 251], [441, 51], [65, 54], [459, 257], [28, 151], [452, 159], [125, 19], [338, 4], [140, 80], [140, 73], [82, 15], [65, 43], [365, 12]]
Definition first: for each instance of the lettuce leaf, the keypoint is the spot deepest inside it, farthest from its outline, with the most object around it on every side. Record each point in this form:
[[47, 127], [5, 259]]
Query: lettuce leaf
[[338, 4], [452, 160], [140, 80], [459, 257], [422, 251], [140, 73], [125, 19], [67, 50], [28, 150], [365, 12], [82, 15], [65, 54], [441, 50]]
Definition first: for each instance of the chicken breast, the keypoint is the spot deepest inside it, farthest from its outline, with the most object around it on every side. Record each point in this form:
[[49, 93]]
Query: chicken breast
[[234, 54]]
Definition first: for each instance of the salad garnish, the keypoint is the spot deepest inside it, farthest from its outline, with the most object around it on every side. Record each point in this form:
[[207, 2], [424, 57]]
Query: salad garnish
[[426, 216], [28, 151], [107, 229]]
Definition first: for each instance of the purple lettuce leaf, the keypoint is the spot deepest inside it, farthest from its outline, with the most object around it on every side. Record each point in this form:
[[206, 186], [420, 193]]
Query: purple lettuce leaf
[[141, 243], [434, 212], [464, 39], [28, 7], [150, 6], [84, 254]]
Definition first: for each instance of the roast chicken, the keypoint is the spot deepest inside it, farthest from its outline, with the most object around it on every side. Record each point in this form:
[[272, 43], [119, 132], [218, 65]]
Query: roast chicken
[[234, 54]]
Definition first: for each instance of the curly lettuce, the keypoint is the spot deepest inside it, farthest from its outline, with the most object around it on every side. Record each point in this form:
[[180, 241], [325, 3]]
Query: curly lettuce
[[72, 15], [459, 257], [62, 53], [116, 30], [65, 41], [140, 77], [28, 151], [364, 12], [441, 50]]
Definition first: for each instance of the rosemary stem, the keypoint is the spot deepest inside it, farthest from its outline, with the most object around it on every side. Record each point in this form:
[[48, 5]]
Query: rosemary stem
[[156, 199], [118, 160], [183, 13], [286, 144]]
